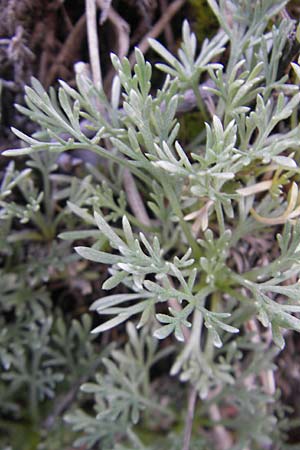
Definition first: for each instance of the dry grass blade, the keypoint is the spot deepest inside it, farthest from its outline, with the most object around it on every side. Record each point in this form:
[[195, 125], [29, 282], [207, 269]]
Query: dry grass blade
[[91, 18]]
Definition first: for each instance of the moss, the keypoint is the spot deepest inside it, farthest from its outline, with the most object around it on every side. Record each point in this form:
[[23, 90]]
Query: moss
[[203, 19], [191, 124]]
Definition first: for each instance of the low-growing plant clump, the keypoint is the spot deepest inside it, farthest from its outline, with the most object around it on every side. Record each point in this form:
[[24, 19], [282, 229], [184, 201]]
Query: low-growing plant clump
[[196, 247]]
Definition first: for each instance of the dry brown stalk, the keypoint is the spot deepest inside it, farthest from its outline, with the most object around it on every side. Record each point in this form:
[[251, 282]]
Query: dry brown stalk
[[69, 49], [158, 28], [93, 44]]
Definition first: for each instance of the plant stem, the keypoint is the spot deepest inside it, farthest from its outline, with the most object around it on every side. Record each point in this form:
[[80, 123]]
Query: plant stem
[[170, 194], [199, 100], [46, 228], [47, 195], [220, 217], [33, 401], [209, 346], [156, 407], [189, 418], [123, 162], [93, 45]]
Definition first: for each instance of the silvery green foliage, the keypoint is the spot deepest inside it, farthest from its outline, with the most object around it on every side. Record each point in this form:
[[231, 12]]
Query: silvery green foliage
[[180, 275], [42, 352], [123, 391], [37, 351]]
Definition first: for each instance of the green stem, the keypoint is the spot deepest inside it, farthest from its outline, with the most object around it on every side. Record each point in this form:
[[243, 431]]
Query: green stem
[[140, 225], [234, 293], [46, 229], [220, 217], [193, 346], [134, 439], [294, 119], [209, 345], [33, 400], [48, 204], [101, 151], [192, 400], [109, 155], [259, 272], [184, 225], [25, 235], [195, 338], [199, 100], [240, 279], [156, 407]]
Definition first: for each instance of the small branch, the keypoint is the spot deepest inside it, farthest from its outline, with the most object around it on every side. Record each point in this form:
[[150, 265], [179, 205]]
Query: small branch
[[65, 15], [284, 14], [222, 437], [68, 50], [173, 303], [168, 29], [91, 17], [192, 399], [266, 376], [189, 418], [122, 29], [64, 402], [134, 199], [105, 6], [158, 28]]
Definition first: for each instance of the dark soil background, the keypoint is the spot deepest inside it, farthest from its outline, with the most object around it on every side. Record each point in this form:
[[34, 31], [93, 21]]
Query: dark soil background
[[46, 38]]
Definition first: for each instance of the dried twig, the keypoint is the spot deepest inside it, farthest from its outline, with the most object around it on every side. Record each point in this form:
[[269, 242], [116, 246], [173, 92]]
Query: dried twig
[[122, 28], [266, 376], [168, 29], [91, 18], [64, 402], [67, 20], [158, 27], [134, 199], [68, 50], [122, 33], [105, 5], [222, 437]]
